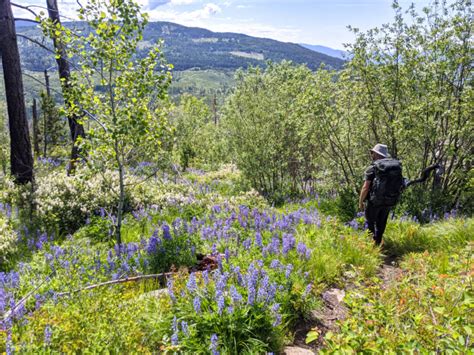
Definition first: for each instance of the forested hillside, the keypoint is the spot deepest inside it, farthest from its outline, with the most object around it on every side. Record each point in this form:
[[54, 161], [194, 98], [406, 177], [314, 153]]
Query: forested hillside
[[187, 47]]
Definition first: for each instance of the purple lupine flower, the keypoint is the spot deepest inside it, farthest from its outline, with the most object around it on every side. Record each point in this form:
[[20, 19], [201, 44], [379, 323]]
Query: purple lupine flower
[[205, 276], [247, 243], [301, 249], [275, 310], [191, 284], [48, 332], [275, 264], [235, 295], [221, 282], [230, 309], [258, 239], [10, 349], [220, 303], [166, 232], [169, 285], [174, 339], [43, 238], [277, 321], [153, 243], [288, 243], [214, 344], [275, 245], [174, 325], [263, 289], [289, 269], [219, 262], [185, 328], [250, 294], [197, 304], [227, 255], [353, 224], [307, 290], [240, 279], [272, 290], [38, 300], [251, 279]]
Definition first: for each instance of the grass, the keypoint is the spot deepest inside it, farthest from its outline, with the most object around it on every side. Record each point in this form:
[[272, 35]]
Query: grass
[[427, 307]]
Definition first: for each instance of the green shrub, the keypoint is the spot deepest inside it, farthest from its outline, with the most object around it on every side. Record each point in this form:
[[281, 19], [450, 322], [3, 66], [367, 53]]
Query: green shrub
[[406, 237], [8, 243], [171, 249], [426, 309]]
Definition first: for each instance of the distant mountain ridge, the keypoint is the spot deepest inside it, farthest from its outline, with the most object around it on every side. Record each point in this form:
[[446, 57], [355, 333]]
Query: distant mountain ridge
[[189, 47], [336, 53]]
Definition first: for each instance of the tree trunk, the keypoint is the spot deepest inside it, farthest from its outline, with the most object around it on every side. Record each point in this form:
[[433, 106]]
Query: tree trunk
[[46, 82], [75, 127], [118, 230], [35, 131], [21, 160]]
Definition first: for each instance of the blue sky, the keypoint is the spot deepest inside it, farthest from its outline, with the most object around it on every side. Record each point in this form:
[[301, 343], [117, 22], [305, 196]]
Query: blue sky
[[322, 22]]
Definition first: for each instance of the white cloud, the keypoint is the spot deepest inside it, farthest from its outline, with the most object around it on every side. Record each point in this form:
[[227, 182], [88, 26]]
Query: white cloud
[[182, 2], [189, 18], [285, 34]]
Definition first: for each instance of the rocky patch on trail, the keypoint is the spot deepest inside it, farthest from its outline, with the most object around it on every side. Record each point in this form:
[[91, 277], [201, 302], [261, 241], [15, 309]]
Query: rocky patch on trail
[[321, 321], [326, 318]]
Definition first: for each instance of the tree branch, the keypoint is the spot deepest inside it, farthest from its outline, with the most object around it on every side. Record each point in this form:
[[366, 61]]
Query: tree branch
[[36, 42], [161, 276], [26, 19], [40, 82], [27, 8]]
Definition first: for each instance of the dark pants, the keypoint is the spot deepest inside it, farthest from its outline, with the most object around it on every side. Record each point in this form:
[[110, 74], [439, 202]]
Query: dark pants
[[376, 217]]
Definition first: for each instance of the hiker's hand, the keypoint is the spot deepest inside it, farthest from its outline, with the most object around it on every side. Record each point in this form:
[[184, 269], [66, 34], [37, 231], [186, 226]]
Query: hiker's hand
[[361, 206]]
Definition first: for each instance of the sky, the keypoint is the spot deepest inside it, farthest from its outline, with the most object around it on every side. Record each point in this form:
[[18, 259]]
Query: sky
[[318, 22]]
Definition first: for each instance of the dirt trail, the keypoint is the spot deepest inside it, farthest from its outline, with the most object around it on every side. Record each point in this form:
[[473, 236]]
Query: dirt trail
[[333, 310]]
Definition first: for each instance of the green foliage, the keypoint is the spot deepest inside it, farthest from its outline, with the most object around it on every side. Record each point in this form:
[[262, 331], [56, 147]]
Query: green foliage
[[402, 238], [171, 250], [4, 140], [52, 125], [337, 250], [272, 137], [128, 115], [8, 243], [196, 135], [106, 311], [412, 90], [425, 309], [97, 229]]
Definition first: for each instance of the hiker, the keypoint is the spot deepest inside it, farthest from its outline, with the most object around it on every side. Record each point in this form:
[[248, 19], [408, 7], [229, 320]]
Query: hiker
[[382, 187]]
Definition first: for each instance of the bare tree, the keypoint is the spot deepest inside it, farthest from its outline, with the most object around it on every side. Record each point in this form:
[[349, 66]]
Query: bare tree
[[21, 159], [75, 127]]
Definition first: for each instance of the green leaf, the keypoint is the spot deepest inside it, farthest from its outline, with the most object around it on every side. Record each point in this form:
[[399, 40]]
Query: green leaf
[[312, 335]]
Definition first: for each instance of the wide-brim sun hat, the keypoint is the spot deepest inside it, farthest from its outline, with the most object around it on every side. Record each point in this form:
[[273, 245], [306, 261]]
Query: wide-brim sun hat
[[381, 149]]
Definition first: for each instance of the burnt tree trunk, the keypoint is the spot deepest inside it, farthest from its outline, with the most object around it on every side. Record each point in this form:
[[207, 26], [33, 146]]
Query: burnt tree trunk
[[21, 160], [36, 147], [75, 127]]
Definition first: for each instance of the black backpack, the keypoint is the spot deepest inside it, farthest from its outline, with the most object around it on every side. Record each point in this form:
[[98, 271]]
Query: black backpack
[[388, 182]]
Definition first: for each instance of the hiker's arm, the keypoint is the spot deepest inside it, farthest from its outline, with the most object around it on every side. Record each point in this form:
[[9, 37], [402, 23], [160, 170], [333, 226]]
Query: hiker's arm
[[363, 194]]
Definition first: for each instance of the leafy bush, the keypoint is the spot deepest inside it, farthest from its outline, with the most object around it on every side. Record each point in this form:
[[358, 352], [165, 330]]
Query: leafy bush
[[64, 202], [424, 310], [8, 243], [408, 237], [269, 129], [171, 248]]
